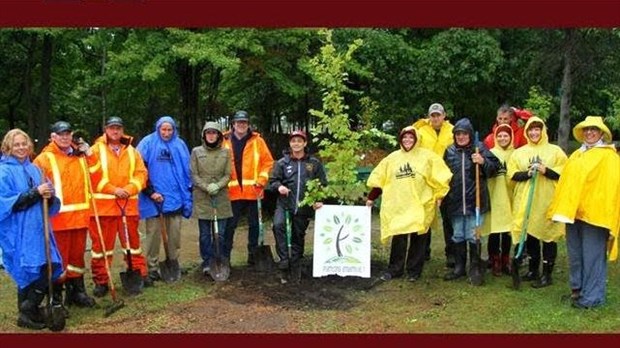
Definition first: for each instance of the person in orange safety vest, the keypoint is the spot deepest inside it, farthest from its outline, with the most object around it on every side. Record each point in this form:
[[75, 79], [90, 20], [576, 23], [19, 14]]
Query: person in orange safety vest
[[121, 177], [66, 163], [251, 165]]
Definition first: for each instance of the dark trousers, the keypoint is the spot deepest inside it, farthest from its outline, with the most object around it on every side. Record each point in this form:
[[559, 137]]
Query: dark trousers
[[499, 243], [242, 208], [206, 241], [411, 259], [299, 224]]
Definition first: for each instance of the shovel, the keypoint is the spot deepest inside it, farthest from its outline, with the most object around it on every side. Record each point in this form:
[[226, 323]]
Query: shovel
[[55, 314], [516, 261], [218, 270], [477, 276], [169, 269], [131, 279], [116, 304], [263, 256]]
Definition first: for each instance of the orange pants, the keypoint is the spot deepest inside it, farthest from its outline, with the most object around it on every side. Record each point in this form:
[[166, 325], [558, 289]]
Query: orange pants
[[111, 226], [72, 245]]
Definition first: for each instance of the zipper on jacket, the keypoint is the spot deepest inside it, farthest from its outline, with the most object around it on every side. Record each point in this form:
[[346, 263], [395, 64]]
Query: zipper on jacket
[[298, 185], [463, 182]]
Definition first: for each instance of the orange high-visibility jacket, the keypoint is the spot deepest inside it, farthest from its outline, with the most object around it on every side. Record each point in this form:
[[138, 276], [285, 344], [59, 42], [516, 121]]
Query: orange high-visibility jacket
[[125, 170], [69, 176], [256, 166]]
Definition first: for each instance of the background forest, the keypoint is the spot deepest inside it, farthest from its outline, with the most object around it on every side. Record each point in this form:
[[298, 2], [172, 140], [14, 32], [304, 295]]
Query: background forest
[[84, 75]]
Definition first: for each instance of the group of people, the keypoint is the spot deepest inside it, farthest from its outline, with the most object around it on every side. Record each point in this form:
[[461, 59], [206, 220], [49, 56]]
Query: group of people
[[514, 187], [104, 190]]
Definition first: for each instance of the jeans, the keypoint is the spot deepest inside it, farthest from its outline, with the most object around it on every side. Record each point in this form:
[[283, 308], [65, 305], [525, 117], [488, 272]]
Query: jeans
[[205, 241]]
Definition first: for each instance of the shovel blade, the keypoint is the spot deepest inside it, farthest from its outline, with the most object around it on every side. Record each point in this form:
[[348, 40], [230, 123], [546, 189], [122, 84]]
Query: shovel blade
[[56, 320], [170, 270], [264, 259], [132, 282], [115, 306], [219, 270]]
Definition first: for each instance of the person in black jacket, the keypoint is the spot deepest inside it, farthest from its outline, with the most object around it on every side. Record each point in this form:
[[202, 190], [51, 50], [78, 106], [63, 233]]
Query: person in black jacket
[[288, 178], [460, 202]]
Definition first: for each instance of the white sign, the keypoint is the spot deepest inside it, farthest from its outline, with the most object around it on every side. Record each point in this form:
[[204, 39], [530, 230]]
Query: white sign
[[342, 241]]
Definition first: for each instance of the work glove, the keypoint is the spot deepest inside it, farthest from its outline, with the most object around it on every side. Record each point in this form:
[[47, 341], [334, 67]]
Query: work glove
[[213, 189]]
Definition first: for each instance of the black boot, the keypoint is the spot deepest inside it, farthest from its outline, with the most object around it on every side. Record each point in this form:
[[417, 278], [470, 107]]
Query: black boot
[[476, 270], [460, 260], [545, 279], [76, 293], [29, 316], [533, 272]]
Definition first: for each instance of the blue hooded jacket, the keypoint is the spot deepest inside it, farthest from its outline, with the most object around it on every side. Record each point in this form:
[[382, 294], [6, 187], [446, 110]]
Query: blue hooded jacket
[[168, 172], [22, 237]]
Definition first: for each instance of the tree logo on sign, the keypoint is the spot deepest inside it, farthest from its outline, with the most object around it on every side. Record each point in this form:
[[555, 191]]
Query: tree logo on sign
[[342, 235]]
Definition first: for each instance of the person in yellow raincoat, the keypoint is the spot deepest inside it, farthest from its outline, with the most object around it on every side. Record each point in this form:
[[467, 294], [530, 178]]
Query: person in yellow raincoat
[[412, 180], [586, 199], [546, 161], [498, 222], [436, 135]]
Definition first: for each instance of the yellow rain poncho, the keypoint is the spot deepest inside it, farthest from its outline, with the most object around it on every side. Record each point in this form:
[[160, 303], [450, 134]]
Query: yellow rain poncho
[[553, 158], [429, 139], [411, 183], [499, 219], [589, 191]]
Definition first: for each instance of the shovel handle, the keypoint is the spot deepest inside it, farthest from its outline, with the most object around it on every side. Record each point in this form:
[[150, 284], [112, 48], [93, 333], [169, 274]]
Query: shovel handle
[[48, 248], [125, 230]]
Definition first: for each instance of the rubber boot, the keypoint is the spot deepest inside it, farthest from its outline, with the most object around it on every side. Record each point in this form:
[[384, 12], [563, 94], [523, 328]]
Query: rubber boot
[[533, 273], [545, 279], [476, 270], [28, 301], [76, 294], [496, 264], [506, 264], [460, 260]]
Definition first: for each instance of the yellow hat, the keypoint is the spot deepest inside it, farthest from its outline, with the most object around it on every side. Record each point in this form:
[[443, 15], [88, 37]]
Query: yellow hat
[[592, 121]]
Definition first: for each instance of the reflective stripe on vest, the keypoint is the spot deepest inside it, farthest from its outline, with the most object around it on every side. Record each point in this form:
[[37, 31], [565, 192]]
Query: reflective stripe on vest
[[244, 181], [103, 156], [58, 185]]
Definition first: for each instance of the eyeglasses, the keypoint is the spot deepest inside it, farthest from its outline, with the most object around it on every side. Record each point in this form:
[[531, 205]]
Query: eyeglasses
[[591, 129]]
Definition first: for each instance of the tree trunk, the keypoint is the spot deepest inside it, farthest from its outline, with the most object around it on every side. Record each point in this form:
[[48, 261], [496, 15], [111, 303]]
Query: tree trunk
[[27, 86], [566, 90], [44, 97], [189, 79]]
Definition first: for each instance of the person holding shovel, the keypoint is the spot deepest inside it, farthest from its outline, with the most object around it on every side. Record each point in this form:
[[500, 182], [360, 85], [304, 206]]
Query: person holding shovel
[[67, 161], [498, 222], [586, 200], [23, 189], [288, 178], [166, 198], [251, 164], [544, 161], [121, 177], [462, 157], [210, 171], [412, 181]]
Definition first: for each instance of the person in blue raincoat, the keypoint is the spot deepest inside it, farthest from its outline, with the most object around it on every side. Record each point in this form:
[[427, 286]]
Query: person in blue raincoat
[[22, 237], [169, 188]]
